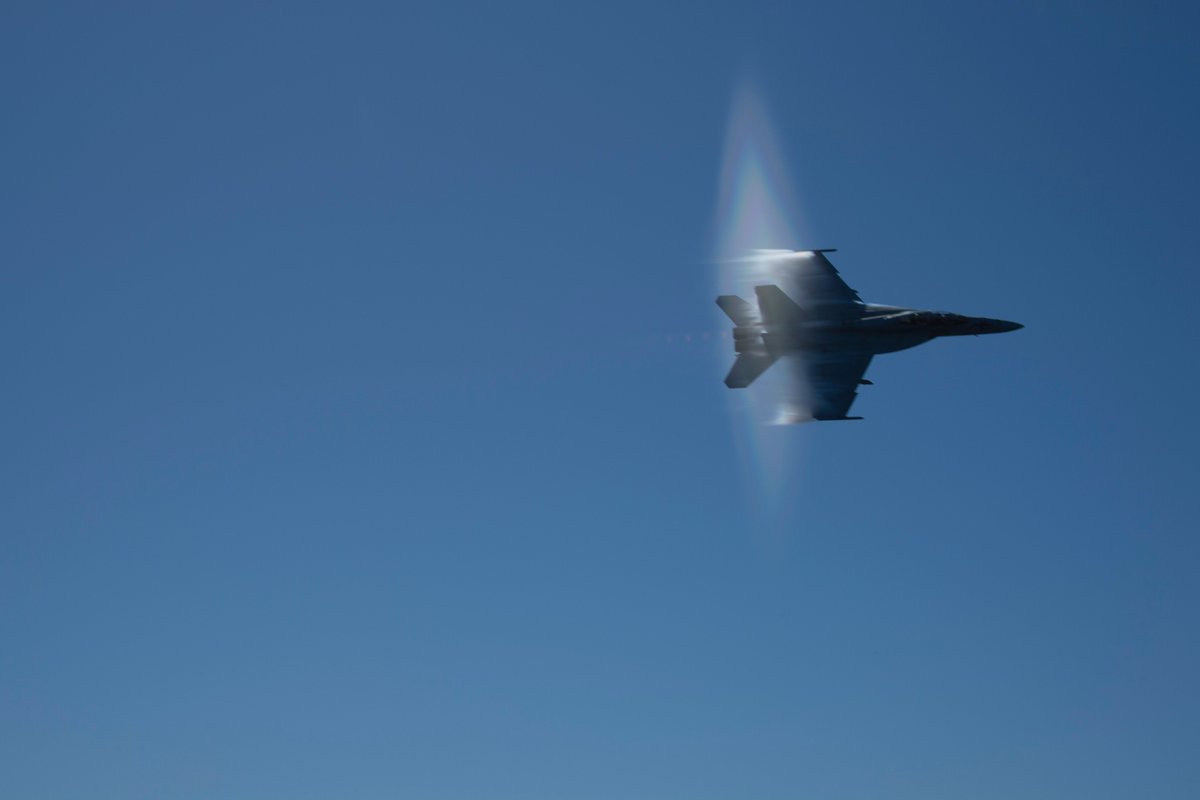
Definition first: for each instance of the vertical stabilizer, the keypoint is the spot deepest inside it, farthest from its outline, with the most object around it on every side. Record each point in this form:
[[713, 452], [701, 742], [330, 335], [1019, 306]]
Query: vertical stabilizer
[[776, 307]]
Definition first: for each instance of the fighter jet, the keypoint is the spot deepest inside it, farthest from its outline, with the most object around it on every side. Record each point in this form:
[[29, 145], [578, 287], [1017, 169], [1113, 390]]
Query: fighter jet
[[830, 335]]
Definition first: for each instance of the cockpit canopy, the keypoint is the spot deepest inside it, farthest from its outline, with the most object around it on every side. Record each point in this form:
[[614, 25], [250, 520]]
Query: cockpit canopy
[[939, 318]]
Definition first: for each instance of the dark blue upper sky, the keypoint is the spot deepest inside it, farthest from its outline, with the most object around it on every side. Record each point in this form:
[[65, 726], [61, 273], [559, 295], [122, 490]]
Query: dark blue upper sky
[[364, 432]]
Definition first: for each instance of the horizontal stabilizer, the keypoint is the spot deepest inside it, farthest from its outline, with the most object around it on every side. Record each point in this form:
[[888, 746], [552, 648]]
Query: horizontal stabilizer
[[748, 367], [776, 307], [738, 310]]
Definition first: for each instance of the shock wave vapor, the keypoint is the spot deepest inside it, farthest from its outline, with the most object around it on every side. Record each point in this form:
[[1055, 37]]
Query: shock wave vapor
[[830, 337]]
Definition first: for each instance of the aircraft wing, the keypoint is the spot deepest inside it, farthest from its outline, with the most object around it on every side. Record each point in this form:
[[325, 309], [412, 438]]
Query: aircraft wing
[[825, 385], [817, 282]]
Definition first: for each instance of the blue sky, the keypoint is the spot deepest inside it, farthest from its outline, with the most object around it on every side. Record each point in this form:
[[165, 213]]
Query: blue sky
[[362, 438]]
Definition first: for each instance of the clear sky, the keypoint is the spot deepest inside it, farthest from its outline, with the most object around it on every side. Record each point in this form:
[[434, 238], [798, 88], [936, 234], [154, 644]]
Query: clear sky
[[362, 438]]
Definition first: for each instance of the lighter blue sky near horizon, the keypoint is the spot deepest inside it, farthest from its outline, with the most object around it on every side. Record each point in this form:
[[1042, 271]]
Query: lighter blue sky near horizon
[[355, 446]]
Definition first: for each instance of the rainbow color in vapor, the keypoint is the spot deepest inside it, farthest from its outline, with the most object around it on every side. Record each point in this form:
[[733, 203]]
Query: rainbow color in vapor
[[756, 210]]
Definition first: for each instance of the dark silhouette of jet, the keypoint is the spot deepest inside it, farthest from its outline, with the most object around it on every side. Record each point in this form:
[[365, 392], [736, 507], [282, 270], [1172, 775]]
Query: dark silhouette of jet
[[830, 334]]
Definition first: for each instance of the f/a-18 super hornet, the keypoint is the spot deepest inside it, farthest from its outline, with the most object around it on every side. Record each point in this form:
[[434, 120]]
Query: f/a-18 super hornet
[[830, 334]]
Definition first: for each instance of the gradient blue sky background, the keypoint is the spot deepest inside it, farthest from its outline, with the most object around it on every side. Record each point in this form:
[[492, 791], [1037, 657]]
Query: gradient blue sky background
[[353, 447]]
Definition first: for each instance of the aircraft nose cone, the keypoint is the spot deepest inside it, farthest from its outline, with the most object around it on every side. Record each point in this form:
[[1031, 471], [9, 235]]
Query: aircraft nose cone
[[988, 325]]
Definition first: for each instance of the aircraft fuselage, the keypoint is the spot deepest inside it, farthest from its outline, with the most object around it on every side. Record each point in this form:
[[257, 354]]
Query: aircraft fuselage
[[879, 329], [828, 332]]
